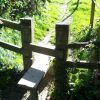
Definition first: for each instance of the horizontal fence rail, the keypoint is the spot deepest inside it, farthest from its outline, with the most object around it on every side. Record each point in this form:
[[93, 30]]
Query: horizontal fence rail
[[83, 64], [11, 24], [78, 45], [25, 26], [46, 51], [10, 47]]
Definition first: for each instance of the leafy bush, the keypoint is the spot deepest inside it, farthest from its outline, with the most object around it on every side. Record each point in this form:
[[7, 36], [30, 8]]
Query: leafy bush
[[80, 80], [82, 84], [81, 19], [14, 10], [8, 76]]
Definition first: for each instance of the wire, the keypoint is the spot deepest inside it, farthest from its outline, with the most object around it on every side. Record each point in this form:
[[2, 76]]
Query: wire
[[68, 1], [97, 5], [72, 11]]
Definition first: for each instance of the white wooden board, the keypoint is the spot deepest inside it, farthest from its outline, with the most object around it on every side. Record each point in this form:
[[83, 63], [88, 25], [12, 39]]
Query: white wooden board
[[36, 72]]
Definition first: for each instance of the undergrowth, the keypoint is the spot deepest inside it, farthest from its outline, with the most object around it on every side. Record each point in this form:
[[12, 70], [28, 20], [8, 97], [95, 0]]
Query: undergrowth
[[81, 81]]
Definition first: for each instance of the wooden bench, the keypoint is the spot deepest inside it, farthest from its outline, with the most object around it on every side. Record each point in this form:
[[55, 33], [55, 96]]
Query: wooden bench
[[34, 75]]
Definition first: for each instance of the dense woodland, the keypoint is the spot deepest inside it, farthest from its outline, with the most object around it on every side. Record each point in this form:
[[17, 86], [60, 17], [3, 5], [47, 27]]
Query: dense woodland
[[46, 14]]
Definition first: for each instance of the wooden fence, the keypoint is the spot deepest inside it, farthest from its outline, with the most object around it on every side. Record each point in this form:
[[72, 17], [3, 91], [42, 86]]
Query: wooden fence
[[27, 30], [60, 52]]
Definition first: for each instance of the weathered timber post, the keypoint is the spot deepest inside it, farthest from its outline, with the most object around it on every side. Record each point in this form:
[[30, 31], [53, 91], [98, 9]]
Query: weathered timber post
[[92, 14], [27, 30], [27, 38], [62, 33], [91, 20]]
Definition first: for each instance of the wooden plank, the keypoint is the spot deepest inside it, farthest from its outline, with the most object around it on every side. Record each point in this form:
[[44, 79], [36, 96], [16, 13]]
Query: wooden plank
[[77, 45], [92, 14], [46, 51], [56, 53], [35, 73], [62, 34], [11, 24], [10, 47], [27, 38], [82, 64]]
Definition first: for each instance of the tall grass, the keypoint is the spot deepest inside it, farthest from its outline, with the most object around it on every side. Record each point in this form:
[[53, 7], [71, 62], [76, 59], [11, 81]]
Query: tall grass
[[81, 18]]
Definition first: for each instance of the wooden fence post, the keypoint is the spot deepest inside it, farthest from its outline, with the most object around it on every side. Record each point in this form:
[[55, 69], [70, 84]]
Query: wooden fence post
[[27, 38], [91, 21], [92, 14], [62, 33]]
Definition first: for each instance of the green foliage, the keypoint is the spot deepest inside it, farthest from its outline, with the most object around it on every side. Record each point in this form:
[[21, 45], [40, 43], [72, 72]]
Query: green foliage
[[47, 20], [81, 19], [14, 10], [81, 82], [80, 26], [10, 36], [8, 76], [7, 57], [96, 31], [91, 52], [79, 78], [80, 85]]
